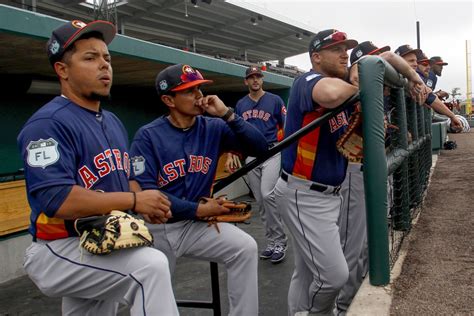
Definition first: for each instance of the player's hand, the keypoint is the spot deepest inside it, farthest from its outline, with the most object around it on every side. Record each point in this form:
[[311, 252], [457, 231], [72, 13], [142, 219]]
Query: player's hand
[[442, 95], [154, 204], [423, 95], [212, 207], [153, 219], [212, 105], [456, 124], [354, 75], [232, 163]]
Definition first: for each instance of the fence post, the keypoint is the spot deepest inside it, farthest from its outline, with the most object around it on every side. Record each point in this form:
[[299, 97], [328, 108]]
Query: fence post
[[371, 79]]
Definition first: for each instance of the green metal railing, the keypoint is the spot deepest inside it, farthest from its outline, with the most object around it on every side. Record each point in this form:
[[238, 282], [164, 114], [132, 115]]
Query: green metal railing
[[408, 162]]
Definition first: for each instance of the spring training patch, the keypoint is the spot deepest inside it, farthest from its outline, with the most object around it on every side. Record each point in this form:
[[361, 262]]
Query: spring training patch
[[138, 163], [42, 153]]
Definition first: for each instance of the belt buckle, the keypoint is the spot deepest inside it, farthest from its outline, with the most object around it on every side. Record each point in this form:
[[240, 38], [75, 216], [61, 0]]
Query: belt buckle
[[336, 190]]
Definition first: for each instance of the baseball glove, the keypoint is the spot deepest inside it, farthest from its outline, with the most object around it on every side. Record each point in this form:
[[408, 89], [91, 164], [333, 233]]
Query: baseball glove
[[101, 235], [239, 213], [350, 143]]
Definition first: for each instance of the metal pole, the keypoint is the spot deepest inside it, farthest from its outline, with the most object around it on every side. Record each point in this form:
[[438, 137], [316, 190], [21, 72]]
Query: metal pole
[[418, 45]]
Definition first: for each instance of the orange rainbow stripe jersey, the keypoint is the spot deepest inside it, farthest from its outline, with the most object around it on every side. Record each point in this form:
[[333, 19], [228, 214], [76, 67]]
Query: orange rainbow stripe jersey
[[313, 157]]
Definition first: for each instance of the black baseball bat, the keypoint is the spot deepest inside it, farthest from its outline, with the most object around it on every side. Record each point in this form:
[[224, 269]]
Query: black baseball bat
[[284, 143]]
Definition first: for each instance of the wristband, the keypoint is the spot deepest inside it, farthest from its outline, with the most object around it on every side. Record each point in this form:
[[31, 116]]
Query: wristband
[[228, 114]]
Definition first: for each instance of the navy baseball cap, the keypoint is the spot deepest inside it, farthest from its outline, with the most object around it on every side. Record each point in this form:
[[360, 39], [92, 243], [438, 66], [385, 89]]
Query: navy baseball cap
[[406, 49], [65, 35], [177, 78], [366, 48], [436, 60], [328, 38], [421, 57], [253, 70]]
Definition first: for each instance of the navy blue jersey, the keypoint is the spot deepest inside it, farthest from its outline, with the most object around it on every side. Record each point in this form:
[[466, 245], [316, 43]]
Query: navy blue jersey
[[65, 144], [313, 157], [432, 80], [431, 96], [182, 163], [267, 114]]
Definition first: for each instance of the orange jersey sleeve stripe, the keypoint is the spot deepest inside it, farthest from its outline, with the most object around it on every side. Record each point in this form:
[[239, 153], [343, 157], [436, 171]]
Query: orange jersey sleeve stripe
[[50, 228], [280, 134]]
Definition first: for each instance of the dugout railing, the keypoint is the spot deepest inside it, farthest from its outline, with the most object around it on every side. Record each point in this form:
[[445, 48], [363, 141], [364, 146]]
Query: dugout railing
[[394, 190]]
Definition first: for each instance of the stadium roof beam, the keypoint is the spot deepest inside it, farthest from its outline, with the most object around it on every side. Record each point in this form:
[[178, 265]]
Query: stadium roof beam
[[216, 27]]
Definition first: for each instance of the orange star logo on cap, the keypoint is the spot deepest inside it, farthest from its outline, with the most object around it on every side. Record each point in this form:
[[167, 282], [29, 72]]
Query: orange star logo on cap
[[78, 24]]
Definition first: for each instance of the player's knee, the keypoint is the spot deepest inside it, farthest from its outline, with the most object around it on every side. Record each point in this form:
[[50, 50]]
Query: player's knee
[[247, 246], [47, 288], [339, 277], [158, 263], [268, 196], [251, 247], [150, 261]]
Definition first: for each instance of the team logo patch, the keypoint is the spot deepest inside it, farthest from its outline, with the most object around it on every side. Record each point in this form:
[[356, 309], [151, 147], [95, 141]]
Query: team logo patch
[[359, 53], [163, 85], [429, 83], [42, 153], [188, 69], [78, 24], [138, 163], [54, 47]]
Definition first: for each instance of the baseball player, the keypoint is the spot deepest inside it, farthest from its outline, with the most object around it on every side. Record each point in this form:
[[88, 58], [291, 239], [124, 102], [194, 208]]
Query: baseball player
[[267, 112], [178, 154], [410, 55], [352, 220], [307, 194], [436, 64], [71, 148]]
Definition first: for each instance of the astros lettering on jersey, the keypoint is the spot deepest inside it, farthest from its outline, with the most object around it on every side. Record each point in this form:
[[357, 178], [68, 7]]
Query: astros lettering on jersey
[[77, 147]]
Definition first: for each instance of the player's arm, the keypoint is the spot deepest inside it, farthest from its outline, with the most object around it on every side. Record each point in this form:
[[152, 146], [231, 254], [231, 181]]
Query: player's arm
[[441, 108], [402, 67], [247, 138], [81, 202], [415, 82], [441, 94], [162, 210], [332, 92], [281, 112], [183, 209]]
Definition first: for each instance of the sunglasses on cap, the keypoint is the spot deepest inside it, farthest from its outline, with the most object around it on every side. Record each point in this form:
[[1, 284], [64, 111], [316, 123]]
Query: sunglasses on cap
[[336, 36], [424, 63], [187, 78], [190, 77]]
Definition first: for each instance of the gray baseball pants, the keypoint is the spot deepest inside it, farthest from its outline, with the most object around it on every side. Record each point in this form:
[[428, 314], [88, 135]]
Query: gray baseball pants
[[95, 285], [320, 266], [232, 247], [262, 180], [353, 232]]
